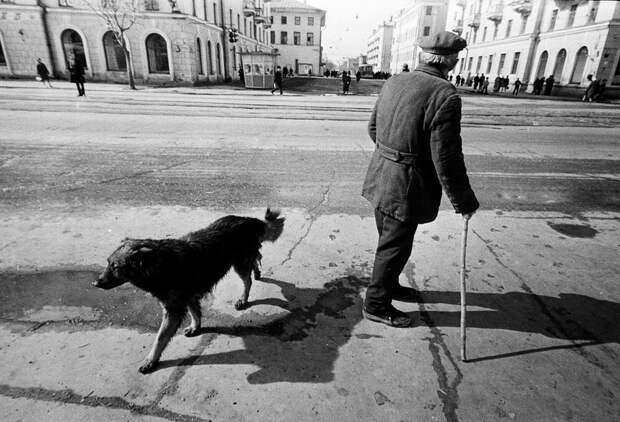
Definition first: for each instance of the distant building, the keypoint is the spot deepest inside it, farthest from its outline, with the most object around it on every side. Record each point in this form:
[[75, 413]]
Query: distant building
[[530, 39], [380, 47], [411, 27], [296, 33], [172, 41]]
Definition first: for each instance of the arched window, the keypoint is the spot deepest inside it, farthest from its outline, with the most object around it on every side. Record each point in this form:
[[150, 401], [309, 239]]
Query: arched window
[[73, 48], [157, 54], [114, 54], [219, 59], [559, 65], [210, 58], [2, 56], [199, 57], [580, 65], [542, 64]]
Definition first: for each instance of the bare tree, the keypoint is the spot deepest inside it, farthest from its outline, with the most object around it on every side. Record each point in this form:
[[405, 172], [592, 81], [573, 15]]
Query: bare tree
[[119, 16]]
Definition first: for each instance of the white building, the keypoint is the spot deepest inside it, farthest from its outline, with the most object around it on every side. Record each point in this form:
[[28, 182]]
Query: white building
[[182, 41], [529, 39], [296, 34], [411, 27], [380, 47]]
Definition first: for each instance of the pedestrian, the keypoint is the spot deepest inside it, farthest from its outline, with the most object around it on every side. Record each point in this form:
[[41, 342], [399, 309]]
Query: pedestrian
[[284, 72], [481, 82], [358, 76], [277, 81], [590, 89], [415, 156], [405, 67], [601, 90], [458, 80], [549, 85], [76, 71], [346, 82], [485, 86], [518, 84], [44, 74], [241, 75], [496, 84], [476, 82]]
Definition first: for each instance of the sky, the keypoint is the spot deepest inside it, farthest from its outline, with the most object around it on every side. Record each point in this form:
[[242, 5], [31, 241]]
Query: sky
[[349, 23]]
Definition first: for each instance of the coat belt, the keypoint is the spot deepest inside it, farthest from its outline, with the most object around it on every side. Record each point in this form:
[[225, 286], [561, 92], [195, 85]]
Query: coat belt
[[391, 154]]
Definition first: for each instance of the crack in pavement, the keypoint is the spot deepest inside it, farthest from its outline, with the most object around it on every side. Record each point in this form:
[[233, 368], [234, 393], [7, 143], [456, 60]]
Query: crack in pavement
[[68, 396], [448, 390], [589, 357], [313, 218]]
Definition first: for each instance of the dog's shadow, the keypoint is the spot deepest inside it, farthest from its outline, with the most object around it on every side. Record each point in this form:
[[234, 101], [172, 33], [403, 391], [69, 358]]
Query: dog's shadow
[[300, 346]]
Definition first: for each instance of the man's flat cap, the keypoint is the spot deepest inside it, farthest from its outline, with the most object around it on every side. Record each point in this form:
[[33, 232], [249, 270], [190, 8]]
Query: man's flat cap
[[443, 43]]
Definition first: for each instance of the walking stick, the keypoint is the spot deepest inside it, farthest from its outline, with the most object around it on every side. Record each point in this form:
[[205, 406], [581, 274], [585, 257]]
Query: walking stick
[[463, 289]]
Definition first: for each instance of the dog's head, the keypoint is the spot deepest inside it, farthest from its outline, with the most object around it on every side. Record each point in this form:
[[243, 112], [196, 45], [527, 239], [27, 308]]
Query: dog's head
[[274, 226], [122, 265]]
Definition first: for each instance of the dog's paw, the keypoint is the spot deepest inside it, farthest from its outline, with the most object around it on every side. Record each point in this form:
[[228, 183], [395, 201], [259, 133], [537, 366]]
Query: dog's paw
[[191, 331], [147, 367], [241, 304]]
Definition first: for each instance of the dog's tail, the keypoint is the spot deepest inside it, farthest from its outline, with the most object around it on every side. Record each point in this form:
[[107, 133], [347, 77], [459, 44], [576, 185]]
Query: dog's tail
[[274, 224]]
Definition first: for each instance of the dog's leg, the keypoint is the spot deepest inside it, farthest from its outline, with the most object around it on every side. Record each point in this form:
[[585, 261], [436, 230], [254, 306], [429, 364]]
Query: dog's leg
[[256, 267], [195, 315], [169, 325], [244, 270]]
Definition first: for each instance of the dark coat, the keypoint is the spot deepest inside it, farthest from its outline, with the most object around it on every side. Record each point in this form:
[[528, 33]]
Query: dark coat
[[77, 72], [416, 124]]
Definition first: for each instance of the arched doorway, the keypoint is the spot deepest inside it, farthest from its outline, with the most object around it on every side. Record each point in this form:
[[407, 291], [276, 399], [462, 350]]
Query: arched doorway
[[73, 48], [199, 56], [559, 65], [114, 54], [157, 54], [218, 58], [580, 65], [542, 64]]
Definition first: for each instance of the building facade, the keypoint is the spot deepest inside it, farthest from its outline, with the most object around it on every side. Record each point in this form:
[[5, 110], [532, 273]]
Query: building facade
[[183, 41], [380, 47], [411, 27], [529, 39], [296, 34]]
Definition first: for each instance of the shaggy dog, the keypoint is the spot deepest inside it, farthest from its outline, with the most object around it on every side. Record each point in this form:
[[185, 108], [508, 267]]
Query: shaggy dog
[[179, 272]]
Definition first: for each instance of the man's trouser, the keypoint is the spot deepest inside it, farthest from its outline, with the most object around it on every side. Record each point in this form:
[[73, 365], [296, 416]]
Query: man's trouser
[[393, 251]]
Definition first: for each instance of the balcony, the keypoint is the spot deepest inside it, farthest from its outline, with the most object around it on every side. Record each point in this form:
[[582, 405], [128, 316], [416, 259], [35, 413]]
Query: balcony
[[474, 20], [259, 17], [496, 12], [523, 7], [458, 27], [249, 8]]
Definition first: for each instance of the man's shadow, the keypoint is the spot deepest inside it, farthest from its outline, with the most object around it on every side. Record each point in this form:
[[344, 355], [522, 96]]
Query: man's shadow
[[303, 344], [581, 319]]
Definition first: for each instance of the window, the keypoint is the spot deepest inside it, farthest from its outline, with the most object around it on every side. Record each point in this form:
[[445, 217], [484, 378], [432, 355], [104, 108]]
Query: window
[[218, 58], [500, 67], [508, 28], [150, 5], [429, 10], [238, 22], [473, 41], [471, 60], [245, 26], [201, 70], [523, 23], [254, 27], [554, 17], [204, 6], [230, 17], [427, 31], [559, 65], [273, 37], [157, 54], [296, 38], [215, 13], [73, 48], [310, 38], [114, 54], [209, 58], [194, 7], [495, 31], [542, 64], [61, 3], [484, 34], [283, 37], [310, 20], [593, 12], [515, 63], [490, 63], [297, 20], [478, 64], [580, 64], [2, 57], [571, 16], [283, 20]]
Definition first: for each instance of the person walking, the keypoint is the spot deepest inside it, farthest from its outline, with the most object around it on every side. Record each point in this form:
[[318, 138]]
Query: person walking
[[44, 74], [277, 81], [284, 72], [549, 85], [358, 76], [518, 84], [476, 82], [590, 90], [416, 127], [76, 72], [485, 86]]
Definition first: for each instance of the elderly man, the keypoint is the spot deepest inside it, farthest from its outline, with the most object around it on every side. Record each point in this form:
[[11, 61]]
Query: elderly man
[[416, 126]]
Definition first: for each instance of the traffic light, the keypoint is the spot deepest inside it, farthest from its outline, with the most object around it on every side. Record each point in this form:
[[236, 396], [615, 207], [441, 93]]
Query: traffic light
[[233, 35]]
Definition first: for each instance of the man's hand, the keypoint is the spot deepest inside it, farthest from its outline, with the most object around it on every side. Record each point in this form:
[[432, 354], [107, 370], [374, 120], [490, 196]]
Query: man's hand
[[468, 215]]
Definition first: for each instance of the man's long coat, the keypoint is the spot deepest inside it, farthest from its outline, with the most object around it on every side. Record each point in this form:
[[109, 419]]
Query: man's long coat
[[416, 126]]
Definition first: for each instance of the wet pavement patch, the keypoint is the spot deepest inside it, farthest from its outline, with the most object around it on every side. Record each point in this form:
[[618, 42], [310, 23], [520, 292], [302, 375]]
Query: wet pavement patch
[[574, 230]]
